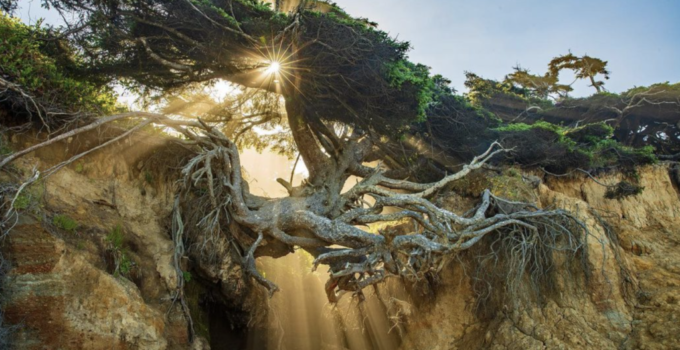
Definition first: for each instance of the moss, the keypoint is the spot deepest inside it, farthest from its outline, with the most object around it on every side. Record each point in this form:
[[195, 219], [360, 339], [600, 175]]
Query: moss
[[525, 127], [187, 276], [510, 185], [65, 223]]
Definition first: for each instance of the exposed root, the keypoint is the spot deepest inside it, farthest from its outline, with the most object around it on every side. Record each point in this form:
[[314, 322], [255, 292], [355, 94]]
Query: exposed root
[[213, 202], [8, 197], [515, 257]]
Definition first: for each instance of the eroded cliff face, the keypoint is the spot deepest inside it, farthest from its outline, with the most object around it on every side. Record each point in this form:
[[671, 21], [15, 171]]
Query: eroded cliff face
[[63, 288], [92, 256], [66, 293], [630, 300]]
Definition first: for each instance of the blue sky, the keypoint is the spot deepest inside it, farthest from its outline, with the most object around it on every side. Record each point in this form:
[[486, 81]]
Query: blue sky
[[640, 39]]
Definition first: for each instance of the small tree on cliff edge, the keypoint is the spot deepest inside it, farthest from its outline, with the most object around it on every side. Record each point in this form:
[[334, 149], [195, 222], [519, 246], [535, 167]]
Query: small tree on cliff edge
[[584, 67]]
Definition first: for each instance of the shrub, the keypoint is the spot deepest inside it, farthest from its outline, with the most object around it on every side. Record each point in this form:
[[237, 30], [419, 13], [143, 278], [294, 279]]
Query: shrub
[[25, 60], [559, 149], [65, 223], [591, 134], [123, 264]]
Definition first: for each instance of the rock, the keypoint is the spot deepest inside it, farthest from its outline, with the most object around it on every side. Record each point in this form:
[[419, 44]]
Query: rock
[[611, 312]]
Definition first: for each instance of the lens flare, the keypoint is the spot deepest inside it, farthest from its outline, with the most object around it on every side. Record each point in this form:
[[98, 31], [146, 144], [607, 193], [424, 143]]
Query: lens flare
[[274, 67]]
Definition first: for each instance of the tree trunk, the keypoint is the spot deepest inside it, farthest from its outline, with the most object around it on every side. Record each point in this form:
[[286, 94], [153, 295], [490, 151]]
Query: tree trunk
[[595, 85]]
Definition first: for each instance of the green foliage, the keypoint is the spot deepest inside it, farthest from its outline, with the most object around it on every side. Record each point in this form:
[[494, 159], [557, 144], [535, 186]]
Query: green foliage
[[344, 71], [148, 177], [65, 223], [609, 152], [25, 62], [187, 276], [667, 87], [560, 149], [208, 4], [416, 75], [539, 86], [125, 265], [116, 237], [525, 127], [591, 134], [122, 261], [30, 199], [22, 202], [481, 89], [584, 67]]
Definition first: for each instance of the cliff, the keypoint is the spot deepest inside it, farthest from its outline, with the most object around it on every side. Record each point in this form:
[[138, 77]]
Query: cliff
[[630, 300], [91, 267]]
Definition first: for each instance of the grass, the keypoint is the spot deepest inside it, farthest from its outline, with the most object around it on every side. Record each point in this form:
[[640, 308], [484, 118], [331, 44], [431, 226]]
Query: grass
[[115, 237], [65, 223], [22, 202], [124, 264]]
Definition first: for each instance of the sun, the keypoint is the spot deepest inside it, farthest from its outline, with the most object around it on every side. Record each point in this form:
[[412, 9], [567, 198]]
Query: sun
[[277, 65], [274, 67]]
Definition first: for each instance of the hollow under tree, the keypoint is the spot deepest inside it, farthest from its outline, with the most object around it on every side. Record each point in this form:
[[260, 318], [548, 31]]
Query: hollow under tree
[[348, 90]]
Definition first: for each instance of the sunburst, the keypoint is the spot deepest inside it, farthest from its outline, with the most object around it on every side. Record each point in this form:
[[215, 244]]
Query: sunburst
[[279, 67]]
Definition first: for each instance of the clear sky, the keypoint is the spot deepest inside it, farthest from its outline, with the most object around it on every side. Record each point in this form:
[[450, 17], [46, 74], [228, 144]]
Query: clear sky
[[640, 39]]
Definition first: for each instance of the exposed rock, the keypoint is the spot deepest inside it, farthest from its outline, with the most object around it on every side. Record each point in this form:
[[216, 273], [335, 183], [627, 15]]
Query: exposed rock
[[62, 300], [62, 290], [630, 301]]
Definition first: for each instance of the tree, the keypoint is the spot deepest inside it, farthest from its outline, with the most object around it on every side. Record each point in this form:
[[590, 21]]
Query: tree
[[349, 93], [539, 86], [584, 67]]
